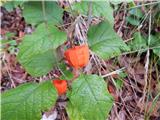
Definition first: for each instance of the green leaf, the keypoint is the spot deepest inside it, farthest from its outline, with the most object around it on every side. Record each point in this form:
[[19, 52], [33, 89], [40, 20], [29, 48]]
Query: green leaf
[[66, 73], [157, 51], [116, 2], [33, 12], [28, 101], [10, 42], [155, 42], [37, 51], [136, 12], [89, 96], [119, 83], [133, 20], [123, 75], [139, 42], [10, 5], [73, 112], [99, 8], [104, 41]]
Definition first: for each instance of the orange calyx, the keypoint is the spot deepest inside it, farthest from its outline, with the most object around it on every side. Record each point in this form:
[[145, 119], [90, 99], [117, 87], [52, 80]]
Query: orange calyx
[[61, 86], [78, 56]]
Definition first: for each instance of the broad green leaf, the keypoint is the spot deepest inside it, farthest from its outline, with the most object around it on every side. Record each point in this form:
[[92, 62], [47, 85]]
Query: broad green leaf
[[28, 101], [73, 113], [37, 51], [89, 96], [99, 8], [139, 42], [33, 12], [104, 41]]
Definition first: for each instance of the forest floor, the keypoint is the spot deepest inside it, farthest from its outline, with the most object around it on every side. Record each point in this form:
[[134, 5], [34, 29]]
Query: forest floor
[[136, 87]]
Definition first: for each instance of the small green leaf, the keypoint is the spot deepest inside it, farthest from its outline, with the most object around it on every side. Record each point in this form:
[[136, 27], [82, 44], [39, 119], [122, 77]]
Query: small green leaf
[[133, 20], [99, 8], [136, 12], [131, 4], [10, 42], [118, 83], [89, 96], [139, 42], [37, 51], [157, 51], [104, 41], [33, 12], [10, 5], [66, 74], [9, 35], [28, 101], [158, 62], [123, 74], [154, 40]]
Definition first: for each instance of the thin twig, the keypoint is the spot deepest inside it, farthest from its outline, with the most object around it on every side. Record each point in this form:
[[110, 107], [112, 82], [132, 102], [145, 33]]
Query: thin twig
[[95, 60], [114, 72], [147, 62], [140, 24], [123, 19], [44, 11], [89, 14], [8, 71], [147, 56], [152, 3], [142, 50]]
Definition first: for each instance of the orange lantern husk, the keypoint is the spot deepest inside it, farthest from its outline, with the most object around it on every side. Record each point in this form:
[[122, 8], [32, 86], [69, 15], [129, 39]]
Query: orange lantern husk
[[61, 86], [78, 56]]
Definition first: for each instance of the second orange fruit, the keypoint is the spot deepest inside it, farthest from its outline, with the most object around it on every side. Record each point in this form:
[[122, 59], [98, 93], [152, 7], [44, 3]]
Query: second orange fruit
[[61, 86]]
